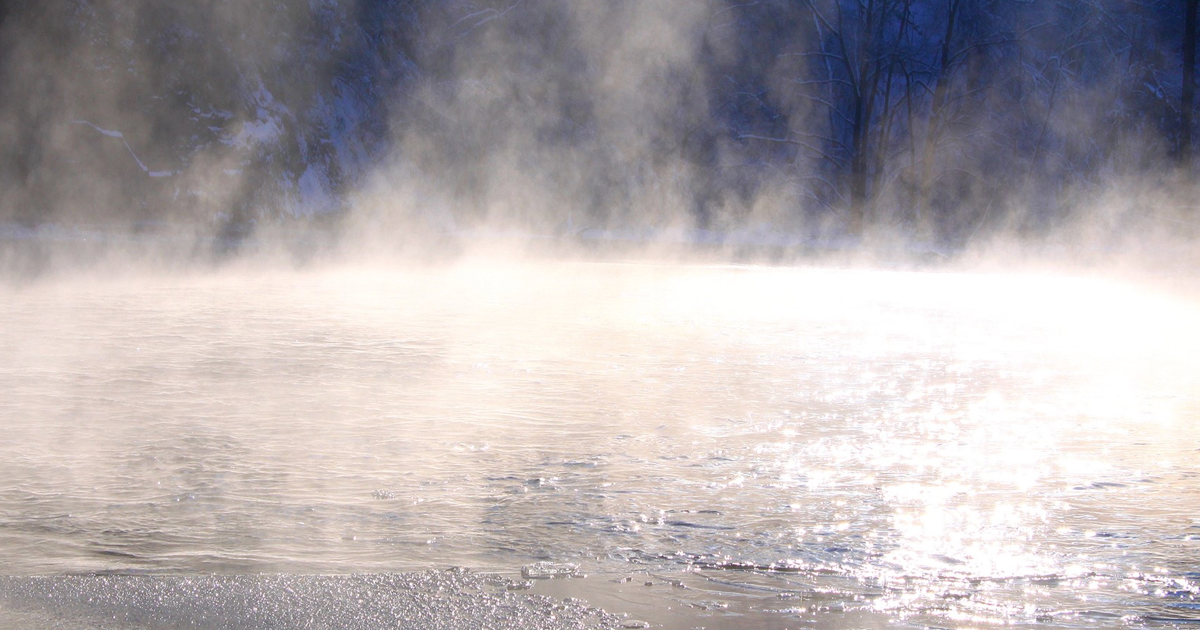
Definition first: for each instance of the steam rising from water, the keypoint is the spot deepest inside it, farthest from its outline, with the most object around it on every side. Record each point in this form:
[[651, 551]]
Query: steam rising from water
[[875, 446], [368, 128], [882, 447]]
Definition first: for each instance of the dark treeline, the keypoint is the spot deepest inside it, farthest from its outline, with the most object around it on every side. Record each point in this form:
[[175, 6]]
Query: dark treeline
[[931, 118], [938, 114]]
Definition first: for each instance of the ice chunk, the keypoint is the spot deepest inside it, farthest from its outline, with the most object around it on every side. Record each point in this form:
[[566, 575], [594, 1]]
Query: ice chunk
[[548, 570]]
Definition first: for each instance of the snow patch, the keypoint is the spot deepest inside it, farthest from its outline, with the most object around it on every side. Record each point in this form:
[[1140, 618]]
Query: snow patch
[[261, 131], [268, 127], [121, 137], [315, 192], [111, 134]]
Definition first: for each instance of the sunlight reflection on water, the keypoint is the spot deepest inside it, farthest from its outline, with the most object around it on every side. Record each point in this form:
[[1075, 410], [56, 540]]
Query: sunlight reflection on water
[[932, 448]]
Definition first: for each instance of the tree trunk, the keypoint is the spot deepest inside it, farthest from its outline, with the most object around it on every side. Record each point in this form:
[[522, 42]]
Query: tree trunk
[[940, 89], [864, 101], [1189, 87]]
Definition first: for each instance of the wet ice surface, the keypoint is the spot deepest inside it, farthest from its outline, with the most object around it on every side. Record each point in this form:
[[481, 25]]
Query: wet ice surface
[[449, 600], [710, 446]]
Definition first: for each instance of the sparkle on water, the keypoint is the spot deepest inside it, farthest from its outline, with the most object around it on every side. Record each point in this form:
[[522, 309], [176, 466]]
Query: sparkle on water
[[785, 447]]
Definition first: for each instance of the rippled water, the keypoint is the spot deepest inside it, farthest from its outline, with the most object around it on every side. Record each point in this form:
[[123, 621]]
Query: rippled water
[[714, 446]]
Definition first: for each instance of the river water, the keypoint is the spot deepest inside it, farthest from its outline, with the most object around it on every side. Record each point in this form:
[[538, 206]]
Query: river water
[[713, 446]]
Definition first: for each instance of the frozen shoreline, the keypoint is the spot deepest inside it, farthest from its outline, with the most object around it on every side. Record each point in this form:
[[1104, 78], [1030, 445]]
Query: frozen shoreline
[[449, 599]]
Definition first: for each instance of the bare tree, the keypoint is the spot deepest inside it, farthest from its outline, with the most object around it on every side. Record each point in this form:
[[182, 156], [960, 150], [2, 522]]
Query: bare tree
[[1189, 86]]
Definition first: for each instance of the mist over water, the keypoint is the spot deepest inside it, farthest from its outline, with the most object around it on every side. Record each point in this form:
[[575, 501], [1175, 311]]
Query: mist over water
[[773, 129], [302, 303], [786, 445]]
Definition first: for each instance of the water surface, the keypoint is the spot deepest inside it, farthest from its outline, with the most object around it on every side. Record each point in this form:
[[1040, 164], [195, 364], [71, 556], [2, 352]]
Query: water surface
[[713, 446]]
